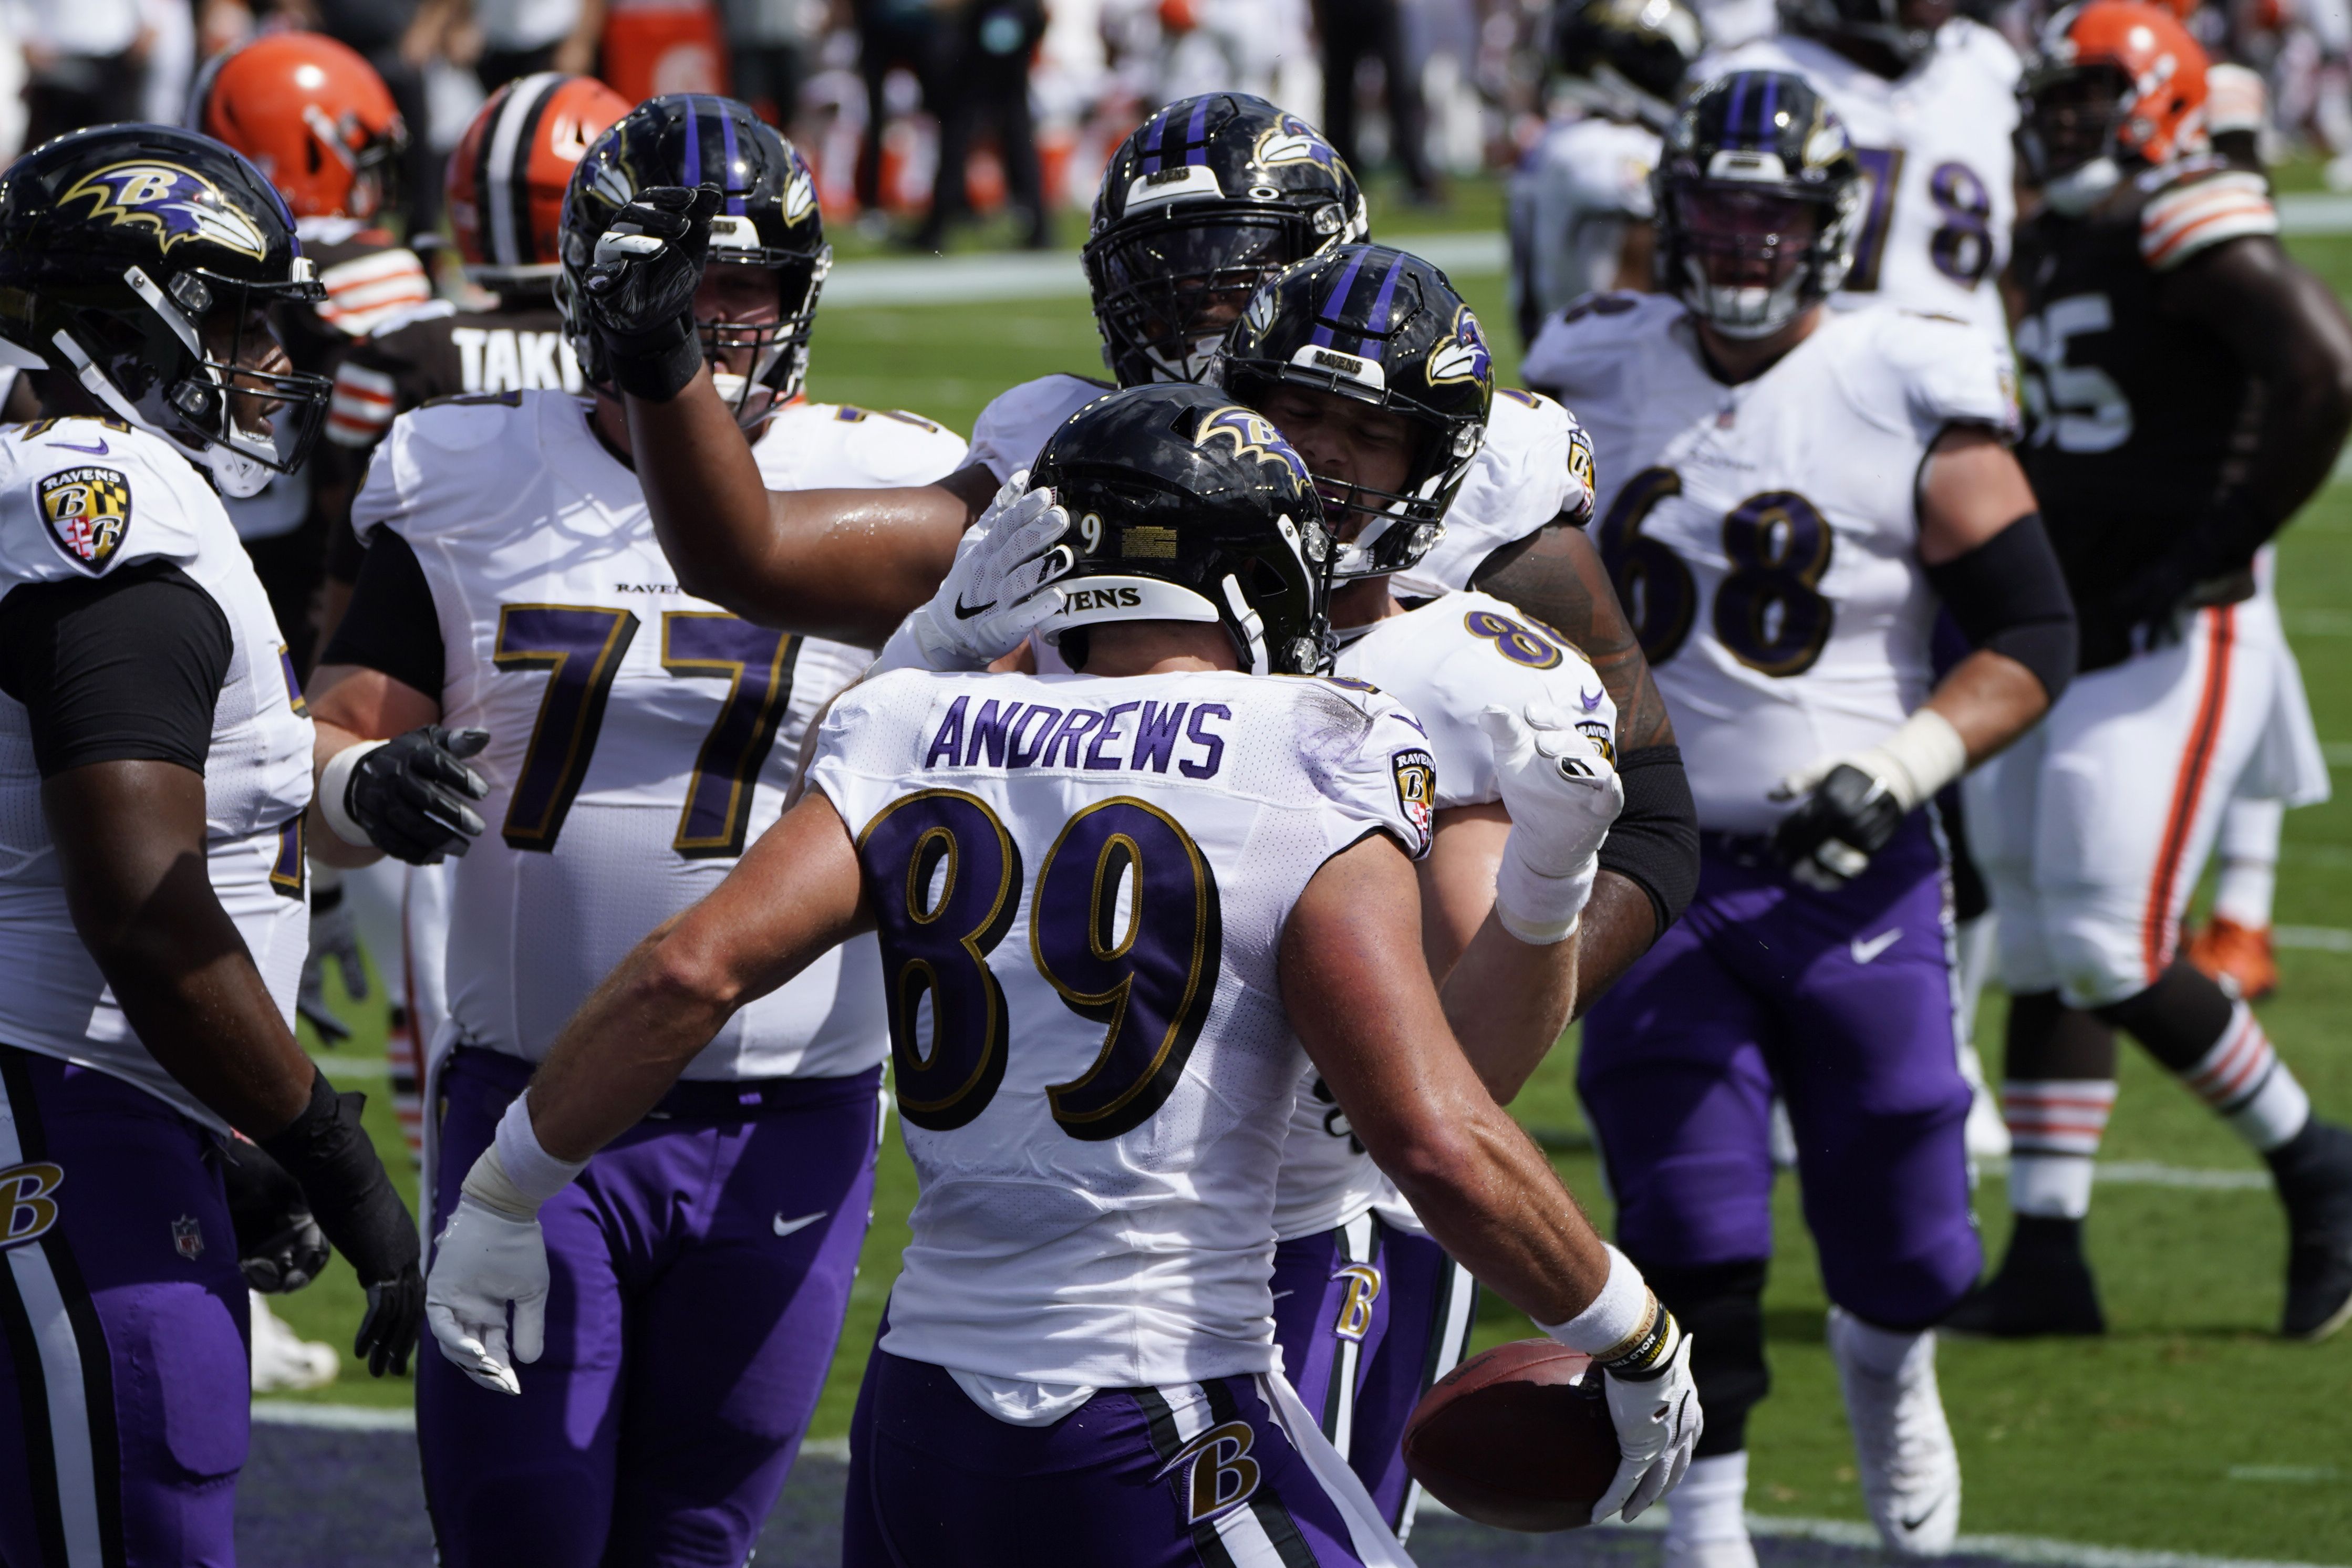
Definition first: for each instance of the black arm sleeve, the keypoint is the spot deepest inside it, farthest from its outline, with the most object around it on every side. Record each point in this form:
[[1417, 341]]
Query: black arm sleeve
[[392, 625], [2009, 594], [123, 669], [1655, 839]]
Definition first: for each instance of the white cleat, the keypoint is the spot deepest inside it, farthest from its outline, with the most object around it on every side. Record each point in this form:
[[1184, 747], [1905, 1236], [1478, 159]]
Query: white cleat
[[1910, 1468], [283, 1360]]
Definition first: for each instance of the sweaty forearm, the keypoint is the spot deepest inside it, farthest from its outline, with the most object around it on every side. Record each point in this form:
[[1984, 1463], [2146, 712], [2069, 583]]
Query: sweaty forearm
[[629, 1043], [1557, 577], [1492, 1201], [1620, 924], [1990, 699], [1507, 1000], [845, 565]]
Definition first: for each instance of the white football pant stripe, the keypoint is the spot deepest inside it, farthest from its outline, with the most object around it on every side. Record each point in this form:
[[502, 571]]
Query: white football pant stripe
[[69, 1398]]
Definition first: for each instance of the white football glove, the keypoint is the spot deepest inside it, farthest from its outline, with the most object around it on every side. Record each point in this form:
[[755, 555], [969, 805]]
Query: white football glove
[[1562, 795], [1658, 1421], [997, 591], [487, 1259]]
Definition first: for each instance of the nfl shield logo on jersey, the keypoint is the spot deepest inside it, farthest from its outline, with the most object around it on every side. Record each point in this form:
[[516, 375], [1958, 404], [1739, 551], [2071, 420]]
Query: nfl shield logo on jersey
[[89, 512], [188, 1236]]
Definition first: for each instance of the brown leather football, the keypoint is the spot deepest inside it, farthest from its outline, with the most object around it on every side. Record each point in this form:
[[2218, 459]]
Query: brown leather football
[[1519, 1438]]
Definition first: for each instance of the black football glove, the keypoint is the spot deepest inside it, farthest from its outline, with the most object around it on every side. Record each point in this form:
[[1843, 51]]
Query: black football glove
[[279, 1246], [334, 934], [1827, 842], [328, 1153], [409, 794], [640, 289]]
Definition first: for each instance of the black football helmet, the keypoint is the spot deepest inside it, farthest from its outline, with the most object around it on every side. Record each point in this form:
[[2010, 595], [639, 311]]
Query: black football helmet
[[1186, 506], [1376, 325], [1207, 198], [1752, 154], [1880, 23], [141, 261], [768, 219], [1626, 58]]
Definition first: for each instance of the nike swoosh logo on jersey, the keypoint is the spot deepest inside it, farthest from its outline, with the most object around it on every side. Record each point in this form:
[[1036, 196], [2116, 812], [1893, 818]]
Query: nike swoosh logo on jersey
[[1909, 1525], [963, 614], [786, 1227], [1865, 948], [98, 450]]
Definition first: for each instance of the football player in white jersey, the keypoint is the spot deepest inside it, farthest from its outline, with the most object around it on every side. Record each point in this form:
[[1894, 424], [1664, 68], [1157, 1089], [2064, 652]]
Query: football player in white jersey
[[638, 739], [1371, 363], [1258, 189], [1579, 200], [153, 762], [1112, 905], [1794, 490], [1929, 99]]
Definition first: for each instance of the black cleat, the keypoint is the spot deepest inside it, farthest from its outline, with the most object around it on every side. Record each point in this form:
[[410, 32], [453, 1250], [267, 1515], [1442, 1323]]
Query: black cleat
[[2313, 1169], [2044, 1287]]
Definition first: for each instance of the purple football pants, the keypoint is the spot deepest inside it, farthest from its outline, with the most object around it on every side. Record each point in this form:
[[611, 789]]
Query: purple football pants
[[1368, 1317], [125, 1383], [699, 1269], [1843, 1002], [1201, 1475]]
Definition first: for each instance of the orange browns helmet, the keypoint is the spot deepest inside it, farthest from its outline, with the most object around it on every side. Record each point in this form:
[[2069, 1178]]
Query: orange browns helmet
[[507, 177], [2159, 112], [313, 115]]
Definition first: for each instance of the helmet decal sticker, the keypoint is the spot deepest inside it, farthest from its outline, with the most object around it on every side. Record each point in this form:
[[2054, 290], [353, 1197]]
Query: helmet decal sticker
[[1464, 357], [1253, 435], [1292, 140], [178, 203]]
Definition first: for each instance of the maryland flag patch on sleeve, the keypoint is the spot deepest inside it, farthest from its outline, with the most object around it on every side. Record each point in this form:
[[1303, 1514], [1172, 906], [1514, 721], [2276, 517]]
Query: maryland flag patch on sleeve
[[88, 514]]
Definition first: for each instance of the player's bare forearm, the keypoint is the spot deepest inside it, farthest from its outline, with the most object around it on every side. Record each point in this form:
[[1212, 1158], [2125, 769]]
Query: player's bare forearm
[[1991, 699], [131, 845], [2291, 333], [796, 894], [1620, 924], [845, 565], [1557, 576], [1506, 1001], [351, 704], [1376, 1030]]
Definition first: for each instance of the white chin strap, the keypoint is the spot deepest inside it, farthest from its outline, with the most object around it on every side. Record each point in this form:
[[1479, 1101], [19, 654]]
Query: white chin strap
[[1252, 627]]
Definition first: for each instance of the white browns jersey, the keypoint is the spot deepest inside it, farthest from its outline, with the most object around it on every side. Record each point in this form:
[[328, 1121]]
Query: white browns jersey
[[1935, 147], [1532, 469], [82, 498], [1571, 198], [1445, 662], [1766, 535], [1081, 886], [640, 738]]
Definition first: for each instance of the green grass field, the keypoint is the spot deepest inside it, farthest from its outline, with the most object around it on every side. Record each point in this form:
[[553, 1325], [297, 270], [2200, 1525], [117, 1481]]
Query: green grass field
[[2187, 1429]]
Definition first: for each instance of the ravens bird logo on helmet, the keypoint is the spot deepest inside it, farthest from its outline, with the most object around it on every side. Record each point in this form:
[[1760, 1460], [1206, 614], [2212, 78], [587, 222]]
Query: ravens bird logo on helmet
[[177, 204]]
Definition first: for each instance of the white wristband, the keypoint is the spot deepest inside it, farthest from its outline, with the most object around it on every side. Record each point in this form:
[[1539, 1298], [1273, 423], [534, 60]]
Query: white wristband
[[534, 1175], [1616, 1314], [1920, 758], [1540, 910], [334, 783]]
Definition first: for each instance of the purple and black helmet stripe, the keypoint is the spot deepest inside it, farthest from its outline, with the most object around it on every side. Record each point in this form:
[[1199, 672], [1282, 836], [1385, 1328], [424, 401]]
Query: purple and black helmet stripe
[[1193, 147], [1331, 317]]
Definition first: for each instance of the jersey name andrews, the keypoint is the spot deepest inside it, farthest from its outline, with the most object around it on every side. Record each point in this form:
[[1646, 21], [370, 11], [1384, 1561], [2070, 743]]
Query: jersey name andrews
[[1133, 737], [514, 358]]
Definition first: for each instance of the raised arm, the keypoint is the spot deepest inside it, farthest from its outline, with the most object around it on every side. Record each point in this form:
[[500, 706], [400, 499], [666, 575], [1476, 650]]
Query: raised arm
[[1649, 867], [842, 564], [797, 893]]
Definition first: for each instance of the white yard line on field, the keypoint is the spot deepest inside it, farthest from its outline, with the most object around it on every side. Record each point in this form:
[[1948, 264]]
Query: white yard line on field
[[2149, 1173]]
